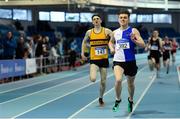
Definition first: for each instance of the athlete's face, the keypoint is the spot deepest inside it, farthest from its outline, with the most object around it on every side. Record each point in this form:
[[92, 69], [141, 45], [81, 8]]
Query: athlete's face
[[96, 21], [174, 40], [155, 33], [123, 20], [166, 39]]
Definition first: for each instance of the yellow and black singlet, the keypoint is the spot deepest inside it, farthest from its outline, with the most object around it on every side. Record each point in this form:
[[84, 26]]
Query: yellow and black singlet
[[98, 45]]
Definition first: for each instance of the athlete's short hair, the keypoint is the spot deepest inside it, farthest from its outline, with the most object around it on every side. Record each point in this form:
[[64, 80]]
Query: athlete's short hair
[[95, 15], [124, 11]]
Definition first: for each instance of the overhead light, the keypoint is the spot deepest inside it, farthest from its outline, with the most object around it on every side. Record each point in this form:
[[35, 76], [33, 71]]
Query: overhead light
[[6, 0], [130, 10]]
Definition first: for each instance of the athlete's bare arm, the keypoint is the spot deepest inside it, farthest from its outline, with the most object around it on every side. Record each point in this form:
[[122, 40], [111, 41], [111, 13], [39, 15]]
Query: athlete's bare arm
[[148, 45], [160, 44], [136, 38], [108, 32], [111, 43], [83, 46]]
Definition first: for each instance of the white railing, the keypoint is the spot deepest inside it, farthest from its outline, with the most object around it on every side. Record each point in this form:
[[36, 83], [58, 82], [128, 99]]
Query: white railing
[[43, 65]]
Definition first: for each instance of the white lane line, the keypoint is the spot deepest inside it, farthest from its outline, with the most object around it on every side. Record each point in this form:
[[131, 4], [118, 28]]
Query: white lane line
[[48, 80], [76, 113], [143, 94], [145, 91], [67, 82], [57, 98]]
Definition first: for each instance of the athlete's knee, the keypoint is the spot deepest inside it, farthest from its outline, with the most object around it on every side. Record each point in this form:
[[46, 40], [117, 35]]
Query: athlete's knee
[[103, 83], [164, 64], [103, 80], [157, 66], [150, 65], [118, 81], [153, 60], [130, 80], [93, 79], [150, 61], [131, 85]]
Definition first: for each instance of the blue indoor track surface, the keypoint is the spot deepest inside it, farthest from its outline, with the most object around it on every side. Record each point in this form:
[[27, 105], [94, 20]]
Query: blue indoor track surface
[[70, 94]]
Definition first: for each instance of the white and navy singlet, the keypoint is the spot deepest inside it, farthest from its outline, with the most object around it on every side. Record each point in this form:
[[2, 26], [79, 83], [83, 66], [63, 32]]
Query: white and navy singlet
[[124, 47]]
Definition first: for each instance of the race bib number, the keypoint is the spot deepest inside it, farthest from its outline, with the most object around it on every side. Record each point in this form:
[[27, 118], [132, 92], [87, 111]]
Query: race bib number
[[153, 47], [167, 47], [100, 51], [123, 46]]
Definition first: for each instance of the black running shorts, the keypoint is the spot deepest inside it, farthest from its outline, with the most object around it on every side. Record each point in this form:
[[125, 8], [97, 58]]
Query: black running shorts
[[130, 67], [100, 63]]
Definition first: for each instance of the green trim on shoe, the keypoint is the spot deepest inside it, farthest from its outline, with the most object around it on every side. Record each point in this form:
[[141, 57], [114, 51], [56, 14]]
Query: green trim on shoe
[[130, 106], [116, 106]]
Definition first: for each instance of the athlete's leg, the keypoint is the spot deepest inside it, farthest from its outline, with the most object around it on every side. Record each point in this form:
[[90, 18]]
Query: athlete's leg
[[103, 73], [93, 72], [158, 66], [118, 72], [156, 60], [150, 63], [164, 63], [157, 69], [131, 87], [153, 61], [173, 57], [151, 67], [167, 64]]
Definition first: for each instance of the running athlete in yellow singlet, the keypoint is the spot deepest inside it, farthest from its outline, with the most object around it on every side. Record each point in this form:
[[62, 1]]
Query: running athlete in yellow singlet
[[98, 38]]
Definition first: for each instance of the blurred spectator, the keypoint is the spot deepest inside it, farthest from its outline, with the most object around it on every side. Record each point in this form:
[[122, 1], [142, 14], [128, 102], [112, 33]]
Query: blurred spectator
[[60, 47], [66, 45], [54, 58], [18, 25], [74, 45], [58, 36], [72, 54], [20, 48], [1, 47], [26, 53], [31, 47], [39, 51], [45, 52], [38, 46], [46, 46], [10, 46], [72, 59], [143, 31], [43, 26], [79, 29]]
